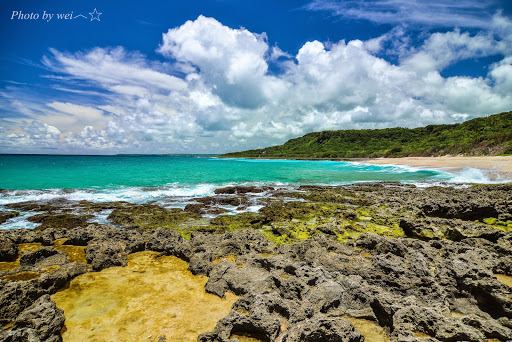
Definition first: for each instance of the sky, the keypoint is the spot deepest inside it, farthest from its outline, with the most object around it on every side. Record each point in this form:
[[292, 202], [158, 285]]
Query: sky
[[214, 76]]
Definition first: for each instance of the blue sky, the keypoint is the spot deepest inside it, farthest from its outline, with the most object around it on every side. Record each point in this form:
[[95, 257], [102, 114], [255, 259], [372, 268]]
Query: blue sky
[[217, 76]]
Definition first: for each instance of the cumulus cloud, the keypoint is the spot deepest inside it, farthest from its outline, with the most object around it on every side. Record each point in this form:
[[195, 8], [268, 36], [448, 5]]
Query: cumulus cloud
[[89, 138], [230, 61], [36, 135], [501, 73], [443, 49], [226, 98]]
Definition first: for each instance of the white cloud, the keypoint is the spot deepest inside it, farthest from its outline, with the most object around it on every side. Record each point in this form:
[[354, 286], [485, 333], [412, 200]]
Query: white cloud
[[71, 116], [42, 131], [35, 135], [231, 61], [112, 109], [501, 73], [278, 53], [443, 49], [444, 13], [228, 100], [112, 68]]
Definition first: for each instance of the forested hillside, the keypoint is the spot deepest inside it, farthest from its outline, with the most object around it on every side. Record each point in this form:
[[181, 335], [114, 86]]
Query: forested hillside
[[490, 135]]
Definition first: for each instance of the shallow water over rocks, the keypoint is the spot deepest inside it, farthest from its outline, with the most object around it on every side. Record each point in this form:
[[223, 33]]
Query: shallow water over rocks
[[505, 279], [23, 247], [371, 331], [150, 298]]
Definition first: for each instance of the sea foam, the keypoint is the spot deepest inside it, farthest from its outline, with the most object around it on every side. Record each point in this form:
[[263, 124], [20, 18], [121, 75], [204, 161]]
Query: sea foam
[[479, 176]]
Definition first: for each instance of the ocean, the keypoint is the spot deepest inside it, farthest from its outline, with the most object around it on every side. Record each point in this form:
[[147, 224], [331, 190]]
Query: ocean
[[174, 180]]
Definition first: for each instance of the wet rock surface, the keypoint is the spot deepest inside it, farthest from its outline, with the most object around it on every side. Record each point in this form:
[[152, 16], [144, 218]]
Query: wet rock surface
[[6, 215], [58, 220], [420, 263], [148, 216]]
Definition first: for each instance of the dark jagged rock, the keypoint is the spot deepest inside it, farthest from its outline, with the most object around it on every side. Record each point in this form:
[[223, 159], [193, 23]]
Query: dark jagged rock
[[198, 208], [43, 257], [206, 248], [8, 249], [42, 321], [504, 265], [45, 237], [17, 296], [436, 284], [242, 242], [242, 189], [489, 327], [504, 245], [455, 230], [35, 206], [467, 208], [168, 242], [253, 315], [149, 217], [227, 276], [83, 235], [412, 319], [6, 215], [86, 206], [134, 243], [400, 281], [227, 200], [328, 329], [59, 220], [201, 208], [101, 254]]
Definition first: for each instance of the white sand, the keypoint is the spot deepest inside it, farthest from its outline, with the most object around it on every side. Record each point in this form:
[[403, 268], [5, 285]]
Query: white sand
[[495, 163]]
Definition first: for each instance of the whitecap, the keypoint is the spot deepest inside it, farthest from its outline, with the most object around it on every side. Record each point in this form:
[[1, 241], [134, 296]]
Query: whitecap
[[479, 176]]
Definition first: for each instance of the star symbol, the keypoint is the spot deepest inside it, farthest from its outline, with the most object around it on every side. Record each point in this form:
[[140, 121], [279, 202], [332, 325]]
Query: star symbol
[[95, 15]]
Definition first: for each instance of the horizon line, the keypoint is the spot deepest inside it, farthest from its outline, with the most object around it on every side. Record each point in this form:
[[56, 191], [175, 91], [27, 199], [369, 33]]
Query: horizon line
[[111, 155]]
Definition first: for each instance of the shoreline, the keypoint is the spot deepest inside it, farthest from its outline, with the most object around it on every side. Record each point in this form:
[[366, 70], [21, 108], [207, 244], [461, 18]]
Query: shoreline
[[502, 165], [499, 164]]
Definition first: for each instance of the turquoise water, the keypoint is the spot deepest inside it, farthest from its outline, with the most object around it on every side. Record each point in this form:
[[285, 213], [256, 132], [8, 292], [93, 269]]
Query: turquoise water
[[83, 172], [174, 181]]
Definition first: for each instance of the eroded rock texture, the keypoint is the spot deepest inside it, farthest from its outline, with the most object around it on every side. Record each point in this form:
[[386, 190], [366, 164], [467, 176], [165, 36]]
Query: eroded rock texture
[[423, 264]]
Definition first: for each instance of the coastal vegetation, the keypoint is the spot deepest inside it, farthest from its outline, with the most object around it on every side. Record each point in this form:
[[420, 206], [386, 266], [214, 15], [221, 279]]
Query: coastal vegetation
[[491, 135]]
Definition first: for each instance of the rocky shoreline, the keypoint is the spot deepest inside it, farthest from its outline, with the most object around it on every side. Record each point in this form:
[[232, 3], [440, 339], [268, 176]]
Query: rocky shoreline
[[311, 265]]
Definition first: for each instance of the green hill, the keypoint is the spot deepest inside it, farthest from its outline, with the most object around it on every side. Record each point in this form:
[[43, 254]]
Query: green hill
[[490, 135]]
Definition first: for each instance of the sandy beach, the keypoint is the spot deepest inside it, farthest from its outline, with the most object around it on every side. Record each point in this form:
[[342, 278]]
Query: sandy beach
[[501, 164]]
